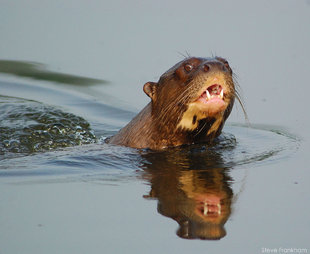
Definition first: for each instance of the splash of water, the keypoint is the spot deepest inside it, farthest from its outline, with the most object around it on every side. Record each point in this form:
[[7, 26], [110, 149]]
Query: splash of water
[[29, 126]]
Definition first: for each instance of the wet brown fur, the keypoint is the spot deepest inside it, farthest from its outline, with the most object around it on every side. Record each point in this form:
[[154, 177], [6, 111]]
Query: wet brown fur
[[159, 124]]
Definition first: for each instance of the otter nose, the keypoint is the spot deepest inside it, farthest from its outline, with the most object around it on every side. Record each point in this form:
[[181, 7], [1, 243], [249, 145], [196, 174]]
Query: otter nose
[[212, 66]]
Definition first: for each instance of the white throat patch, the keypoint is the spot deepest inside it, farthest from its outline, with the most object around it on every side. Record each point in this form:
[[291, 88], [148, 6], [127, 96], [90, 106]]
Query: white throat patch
[[192, 116]]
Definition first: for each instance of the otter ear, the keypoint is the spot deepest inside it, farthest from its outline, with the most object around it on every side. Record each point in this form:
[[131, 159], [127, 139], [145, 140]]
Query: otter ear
[[150, 89]]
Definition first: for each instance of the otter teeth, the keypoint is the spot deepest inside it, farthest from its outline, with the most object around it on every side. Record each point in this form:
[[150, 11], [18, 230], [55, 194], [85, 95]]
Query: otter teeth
[[205, 209], [219, 207], [208, 94], [222, 94]]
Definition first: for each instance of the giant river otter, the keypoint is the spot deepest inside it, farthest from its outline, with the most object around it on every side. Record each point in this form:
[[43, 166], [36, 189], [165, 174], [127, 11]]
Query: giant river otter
[[189, 104]]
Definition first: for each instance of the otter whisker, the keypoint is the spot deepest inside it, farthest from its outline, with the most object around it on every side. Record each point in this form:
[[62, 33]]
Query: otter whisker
[[200, 129], [239, 99], [180, 99]]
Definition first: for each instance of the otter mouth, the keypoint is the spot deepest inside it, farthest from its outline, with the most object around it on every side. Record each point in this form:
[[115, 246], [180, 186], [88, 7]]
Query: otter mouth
[[212, 93], [209, 206], [212, 100], [212, 210]]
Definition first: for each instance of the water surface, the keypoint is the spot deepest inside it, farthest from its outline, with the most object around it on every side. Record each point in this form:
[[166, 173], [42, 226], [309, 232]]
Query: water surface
[[72, 75]]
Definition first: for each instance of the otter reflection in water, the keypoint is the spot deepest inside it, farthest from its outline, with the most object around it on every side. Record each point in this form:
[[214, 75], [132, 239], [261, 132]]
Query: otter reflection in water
[[191, 191]]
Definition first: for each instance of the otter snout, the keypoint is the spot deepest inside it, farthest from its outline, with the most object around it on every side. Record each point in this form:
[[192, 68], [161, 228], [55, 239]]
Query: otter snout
[[211, 66]]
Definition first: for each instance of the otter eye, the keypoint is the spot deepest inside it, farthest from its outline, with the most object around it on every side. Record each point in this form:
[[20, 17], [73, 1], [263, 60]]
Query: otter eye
[[226, 64], [188, 67]]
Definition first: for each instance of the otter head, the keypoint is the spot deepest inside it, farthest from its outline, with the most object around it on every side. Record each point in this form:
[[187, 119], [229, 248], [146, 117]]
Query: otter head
[[194, 97]]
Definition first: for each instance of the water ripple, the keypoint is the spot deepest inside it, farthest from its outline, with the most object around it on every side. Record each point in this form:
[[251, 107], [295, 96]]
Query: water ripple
[[28, 126]]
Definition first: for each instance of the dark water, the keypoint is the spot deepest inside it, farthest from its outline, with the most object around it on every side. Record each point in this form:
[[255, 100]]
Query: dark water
[[29, 126], [72, 75]]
